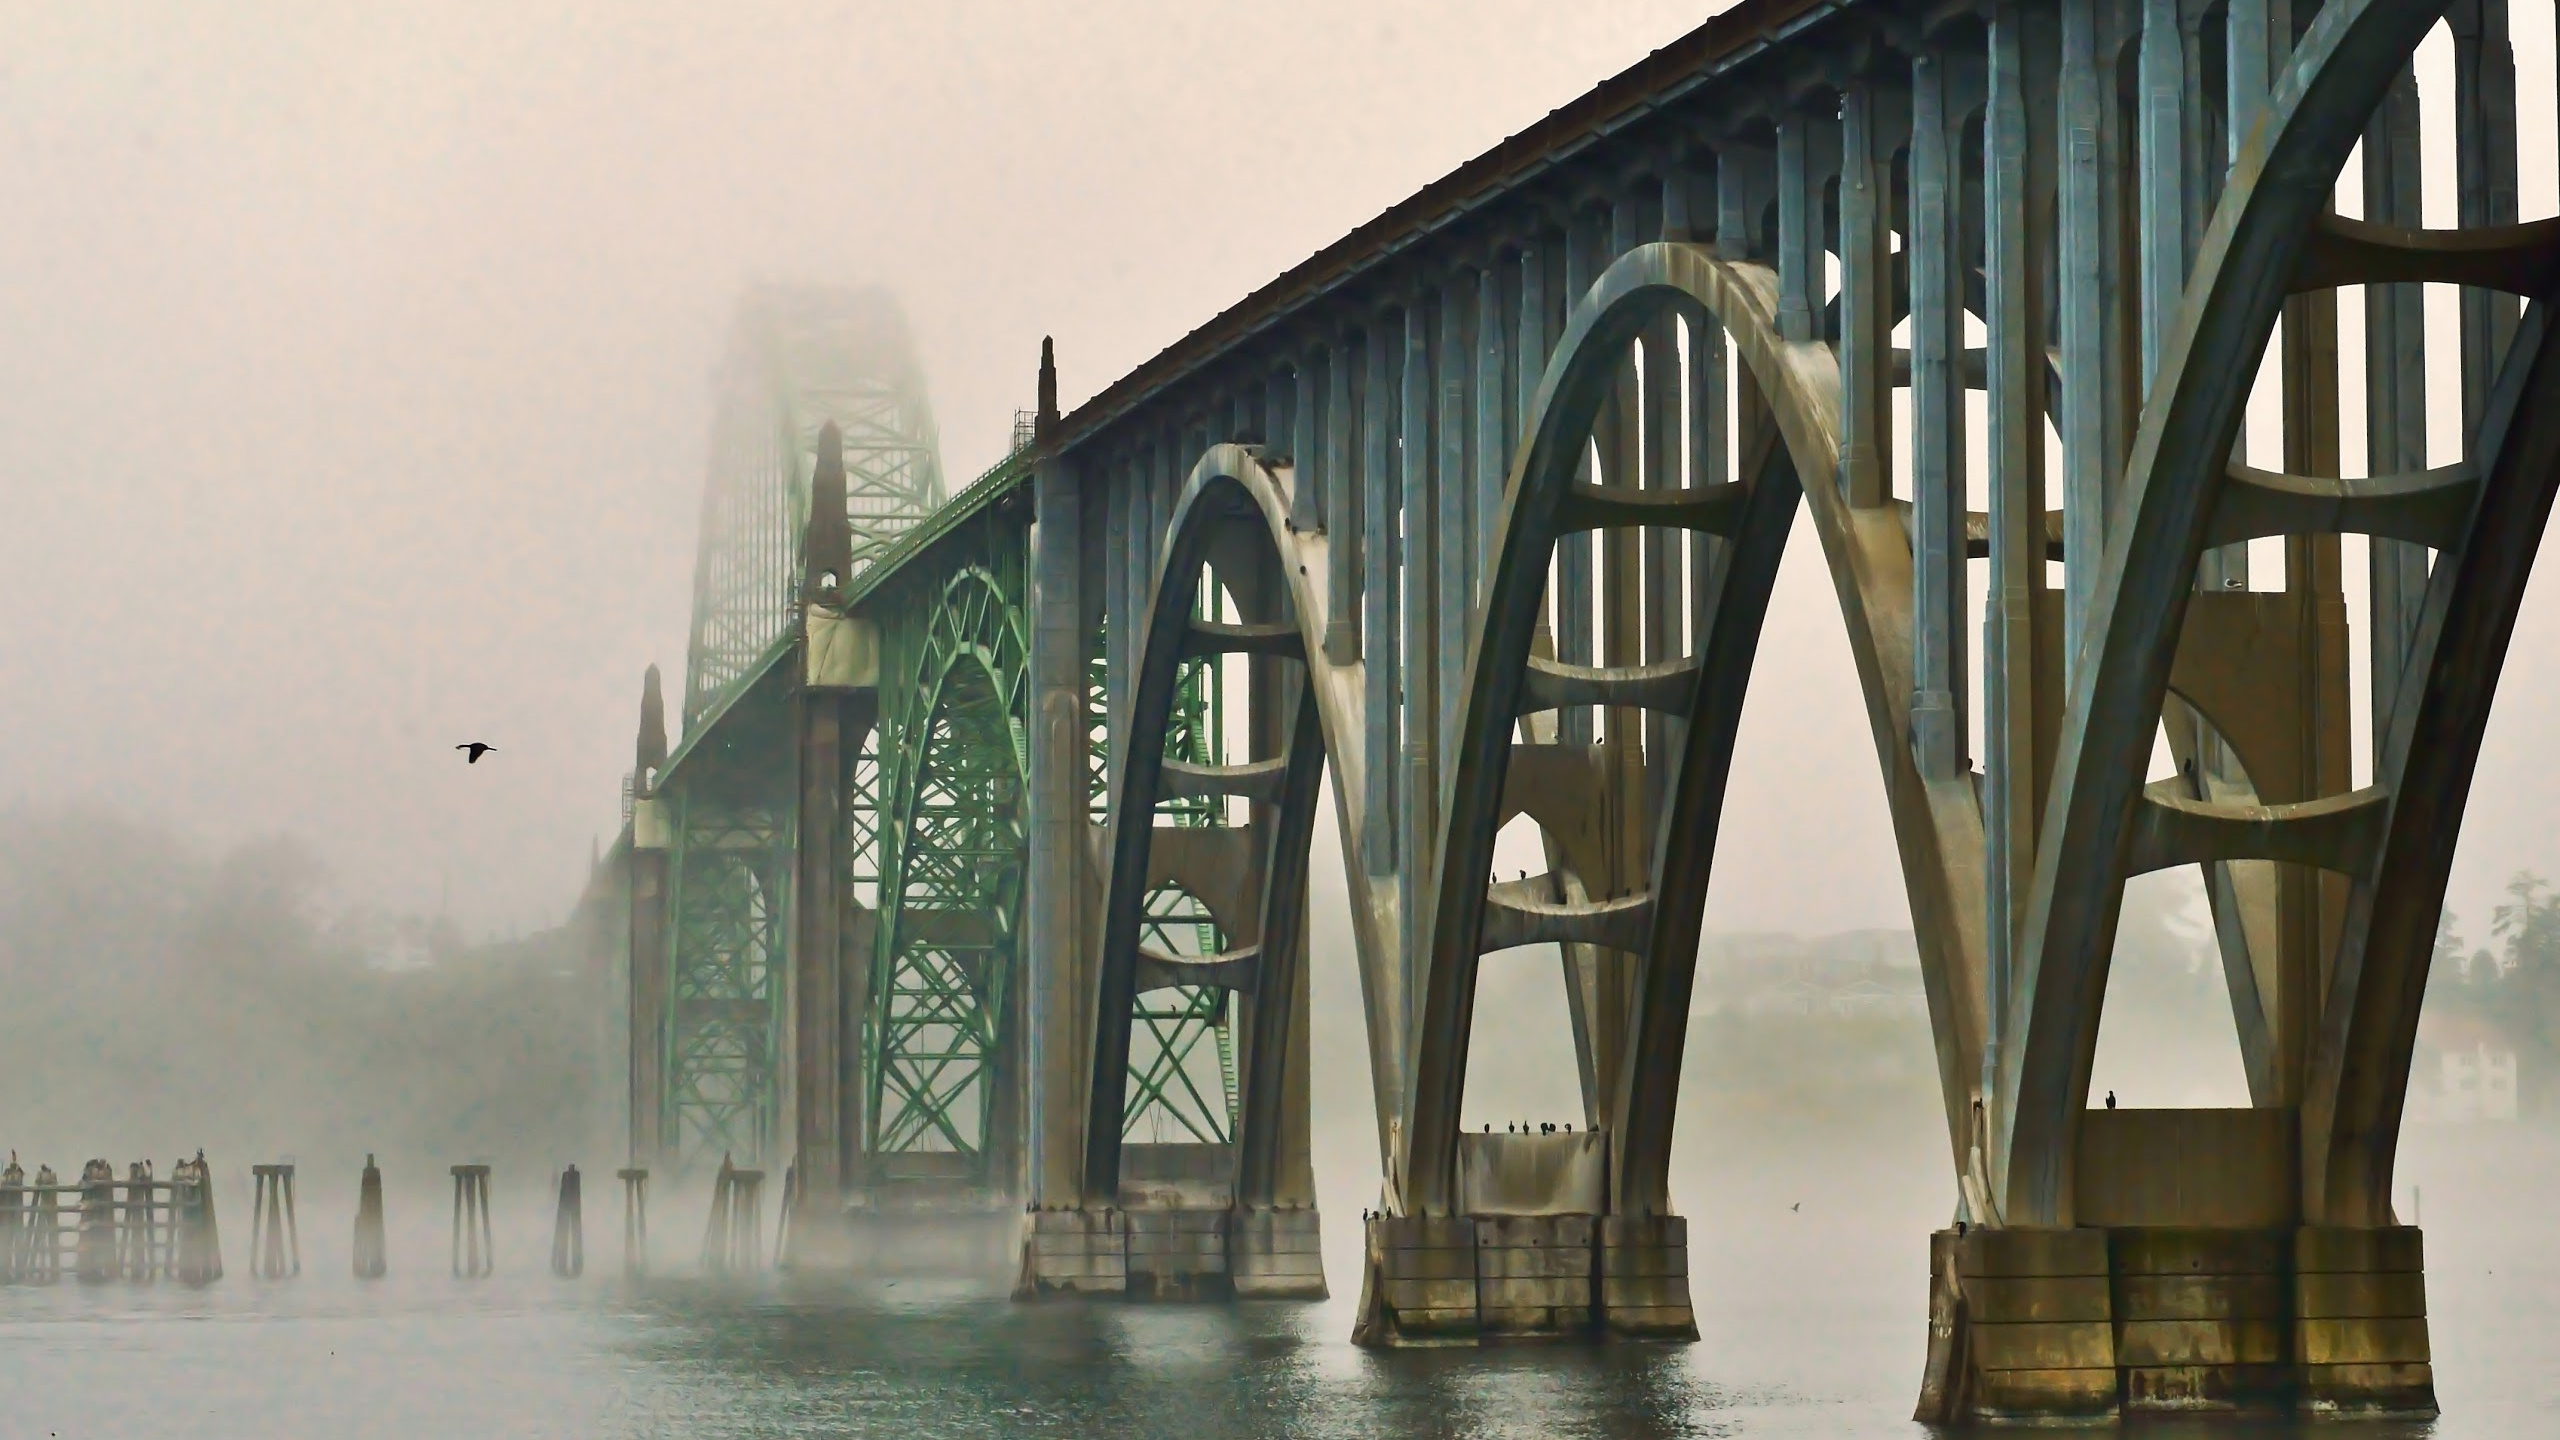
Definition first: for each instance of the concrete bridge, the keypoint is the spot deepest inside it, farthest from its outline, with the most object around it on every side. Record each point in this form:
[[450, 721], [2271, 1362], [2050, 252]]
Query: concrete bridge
[[978, 881]]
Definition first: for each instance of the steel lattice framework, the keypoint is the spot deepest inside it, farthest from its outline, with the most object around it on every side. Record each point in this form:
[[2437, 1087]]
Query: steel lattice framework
[[936, 1034], [798, 359], [730, 903]]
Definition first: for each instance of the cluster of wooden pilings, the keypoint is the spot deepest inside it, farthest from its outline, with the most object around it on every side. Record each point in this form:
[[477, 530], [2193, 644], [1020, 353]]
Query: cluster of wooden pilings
[[140, 1226], [104, 1227]]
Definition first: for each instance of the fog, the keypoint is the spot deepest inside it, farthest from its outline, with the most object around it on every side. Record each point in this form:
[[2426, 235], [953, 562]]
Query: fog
[[354, 389]]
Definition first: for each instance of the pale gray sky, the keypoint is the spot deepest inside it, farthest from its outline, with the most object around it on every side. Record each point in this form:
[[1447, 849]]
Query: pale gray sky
[[354, 370]]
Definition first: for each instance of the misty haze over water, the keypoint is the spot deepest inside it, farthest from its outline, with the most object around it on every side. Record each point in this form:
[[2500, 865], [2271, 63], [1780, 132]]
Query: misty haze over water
[[353, 403]]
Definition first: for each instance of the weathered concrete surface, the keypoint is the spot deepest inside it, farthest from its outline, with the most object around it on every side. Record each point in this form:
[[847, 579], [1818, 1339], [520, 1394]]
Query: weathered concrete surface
[[2089, 1323], [1468, 1279]]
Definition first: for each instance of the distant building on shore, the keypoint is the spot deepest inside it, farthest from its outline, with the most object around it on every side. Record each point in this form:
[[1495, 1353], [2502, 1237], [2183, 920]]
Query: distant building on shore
[[2465, 1070]]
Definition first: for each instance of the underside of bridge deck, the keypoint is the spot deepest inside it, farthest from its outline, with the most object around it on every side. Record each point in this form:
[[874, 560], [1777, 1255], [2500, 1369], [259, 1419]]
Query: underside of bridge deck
[[1002, 815]]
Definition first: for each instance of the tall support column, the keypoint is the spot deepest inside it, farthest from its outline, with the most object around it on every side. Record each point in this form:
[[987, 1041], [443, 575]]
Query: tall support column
[[1054, 922], [1419, 556], [1343, 501], [1381, 507], [2395, 373], [2161, 175], [651, 834], [1937, 427], [1306, 442], [836, 651], [1573, 552], [2090, 418], [2018, 709], [1799, 276], [1119, 588], [1494, 431], [1866, 322], [2484, 142], [1453, 484]]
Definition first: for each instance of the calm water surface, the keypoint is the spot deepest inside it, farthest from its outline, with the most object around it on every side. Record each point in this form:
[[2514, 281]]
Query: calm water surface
[[1812, 1327]]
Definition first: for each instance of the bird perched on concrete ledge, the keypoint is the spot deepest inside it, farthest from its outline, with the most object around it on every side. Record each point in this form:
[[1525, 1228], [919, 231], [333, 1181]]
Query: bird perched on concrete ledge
[[475, 750]]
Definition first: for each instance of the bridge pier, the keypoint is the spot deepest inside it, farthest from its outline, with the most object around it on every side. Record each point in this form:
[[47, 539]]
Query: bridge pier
[[2097, 1322], [1530, 1255], [1178, 1234], [2190, 1283]]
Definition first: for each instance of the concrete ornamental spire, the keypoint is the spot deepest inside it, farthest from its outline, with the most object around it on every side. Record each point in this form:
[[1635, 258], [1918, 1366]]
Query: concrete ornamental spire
[[652, 751], [1048, 414], [827, 543]]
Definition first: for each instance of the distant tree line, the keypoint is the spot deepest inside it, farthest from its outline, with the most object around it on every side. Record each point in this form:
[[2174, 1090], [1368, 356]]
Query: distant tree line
[[156, 996]]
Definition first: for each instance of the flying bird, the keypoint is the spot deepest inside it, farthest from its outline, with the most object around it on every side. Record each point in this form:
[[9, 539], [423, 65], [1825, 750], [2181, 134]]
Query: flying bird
[[476, 750], [1799, 1205]]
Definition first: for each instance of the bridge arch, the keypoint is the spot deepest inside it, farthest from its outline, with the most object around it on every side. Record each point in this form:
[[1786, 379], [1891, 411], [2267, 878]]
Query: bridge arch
[[1793, 448], [941, 1032], [1234, 508], [2393, 839]]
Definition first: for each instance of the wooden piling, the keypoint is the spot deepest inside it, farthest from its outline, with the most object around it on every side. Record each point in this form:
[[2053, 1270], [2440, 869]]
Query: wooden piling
[[568, 1229], [199, 1235], [97, 1236], [475, 1252], [733, 1242], [13, 1221], [275, 1235], [635, 1220], [372, 1258]]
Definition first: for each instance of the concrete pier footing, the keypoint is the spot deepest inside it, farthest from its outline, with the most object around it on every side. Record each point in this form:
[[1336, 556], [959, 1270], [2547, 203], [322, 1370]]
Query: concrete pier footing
[[1173, 1254], [2092, 1323], [1465, 1279]]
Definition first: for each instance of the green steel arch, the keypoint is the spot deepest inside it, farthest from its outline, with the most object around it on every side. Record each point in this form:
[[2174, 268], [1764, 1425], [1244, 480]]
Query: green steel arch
[[937, 1044]]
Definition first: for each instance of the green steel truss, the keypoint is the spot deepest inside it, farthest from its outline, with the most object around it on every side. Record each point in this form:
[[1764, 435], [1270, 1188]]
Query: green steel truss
[[798, 358], [729, 909], [939, 1042]]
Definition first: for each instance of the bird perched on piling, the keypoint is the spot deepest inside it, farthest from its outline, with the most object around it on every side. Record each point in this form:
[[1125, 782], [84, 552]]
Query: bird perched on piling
[[475, 749]]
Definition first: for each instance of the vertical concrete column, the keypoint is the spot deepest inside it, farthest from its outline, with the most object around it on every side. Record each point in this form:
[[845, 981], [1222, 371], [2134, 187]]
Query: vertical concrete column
[[1121, 616], [1573, 552], [1799, 244], [1496, 431], [2017, 177], [2484, 145], [1342, 507], [1419, 556], [1306, 441], [1937, 428], [1140, 483], [1381, 507], [651, 834], [1866, 320], [2091, 278], [2160, 175], [1710, 437], [817, 960], [1054, 921], [1661, 544], [1454, 488], [2395, 380]]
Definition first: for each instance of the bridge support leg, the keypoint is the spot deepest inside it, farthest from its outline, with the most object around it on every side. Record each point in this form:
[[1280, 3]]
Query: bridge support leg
[[1464, 1279], [2090, 1323]]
